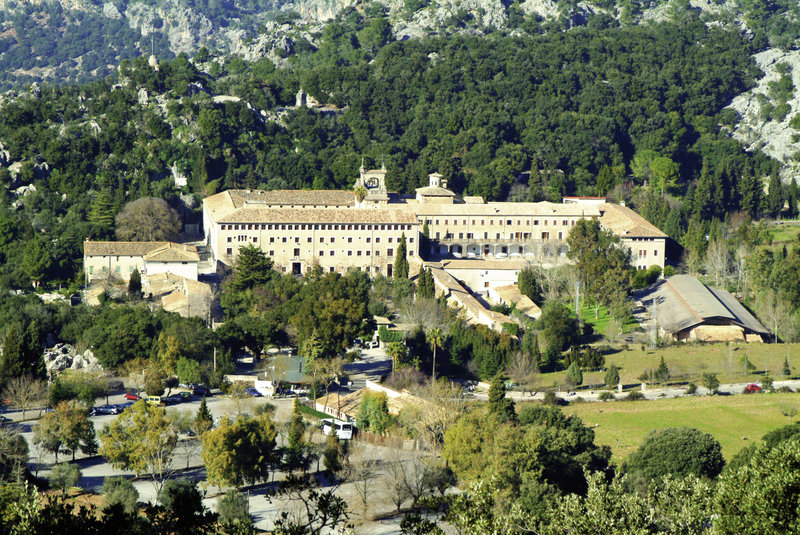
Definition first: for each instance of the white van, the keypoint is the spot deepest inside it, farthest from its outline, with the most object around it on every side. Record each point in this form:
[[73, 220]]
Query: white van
[[344, 430]]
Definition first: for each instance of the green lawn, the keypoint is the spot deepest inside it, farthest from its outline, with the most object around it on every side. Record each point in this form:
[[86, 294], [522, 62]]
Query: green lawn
[[688, 362], [735, 421], [600, 323]]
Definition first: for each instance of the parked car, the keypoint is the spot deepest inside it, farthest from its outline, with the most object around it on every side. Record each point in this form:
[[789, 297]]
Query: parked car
[[752, 388], [201, 390], [250, 391], [4, 420], [185, 396], [344, 430], [154, 400], [131, 396], [172, 400]]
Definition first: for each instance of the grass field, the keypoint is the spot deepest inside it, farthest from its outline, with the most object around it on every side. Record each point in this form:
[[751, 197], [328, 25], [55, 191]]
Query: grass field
[[785, 232], [735, 421], [688, 362], [600, 323]]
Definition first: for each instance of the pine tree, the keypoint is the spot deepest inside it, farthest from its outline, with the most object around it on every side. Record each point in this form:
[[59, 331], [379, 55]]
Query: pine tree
[[775, 196], [11, 360], [662, 372], [793, 198], [574, 374], [751, 195], [203, 421], [296, 448], [101, 212], [135, 284], [400, 261], [332, 455], [499, 404]]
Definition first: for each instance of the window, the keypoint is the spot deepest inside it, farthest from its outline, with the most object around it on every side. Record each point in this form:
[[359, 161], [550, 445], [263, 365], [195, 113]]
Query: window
[[331, 268], [508, 221], [378, 240], [390, 240], [368, 253], [437, 235], [349, 240], [655, 252], [272, 239], [130, 268], [560, 235], [255, 239], [564, 222], [272, 253], [297, 239], [91, 270], [535, 222], [283, 239], [369, 239], [437, 221], [377, 253], [297, 252], [331, 253], [358, 253], [230, 239], [228, 251], [491, 222], [333, 240], [349, 253], [460, 235], [309, 239], [464, 222], [389, 252], [411, 240], [322, 240], [322, 253]]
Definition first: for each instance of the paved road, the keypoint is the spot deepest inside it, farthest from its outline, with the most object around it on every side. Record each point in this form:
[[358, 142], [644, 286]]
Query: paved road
[[650, 392]]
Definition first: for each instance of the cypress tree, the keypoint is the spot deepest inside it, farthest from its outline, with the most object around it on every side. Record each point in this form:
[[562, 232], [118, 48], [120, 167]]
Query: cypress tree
[[400, 261], [135, 284], [775, 196], [499, 404], [792, 198], [425, 231], [203, 421]]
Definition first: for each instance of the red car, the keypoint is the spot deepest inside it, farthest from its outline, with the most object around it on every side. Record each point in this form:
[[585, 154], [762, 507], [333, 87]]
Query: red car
[[131, 397], [751, 388]]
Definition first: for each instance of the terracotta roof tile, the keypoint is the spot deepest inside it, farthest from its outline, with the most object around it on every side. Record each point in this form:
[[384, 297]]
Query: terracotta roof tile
[[625, 222], [314, 215]]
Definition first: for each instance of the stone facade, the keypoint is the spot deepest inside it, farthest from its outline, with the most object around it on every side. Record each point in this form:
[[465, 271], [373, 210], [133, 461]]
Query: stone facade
[[361, 229]]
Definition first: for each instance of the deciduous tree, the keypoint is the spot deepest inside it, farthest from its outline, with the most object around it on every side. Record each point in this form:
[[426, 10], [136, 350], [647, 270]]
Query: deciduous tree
[[67, 427], [141, 439], [148, 219], [242, 452]]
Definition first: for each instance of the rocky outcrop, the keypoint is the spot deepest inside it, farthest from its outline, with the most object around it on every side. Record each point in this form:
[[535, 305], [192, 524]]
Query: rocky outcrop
[[773, 135], [62, 357]]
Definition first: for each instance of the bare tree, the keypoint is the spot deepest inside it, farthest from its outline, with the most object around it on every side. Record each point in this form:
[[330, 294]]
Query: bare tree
[[740, 267], [237, 398], [444, 404], [148, 219], [25, 392], [425, 312], [394, 478], [135, 371], [522, 370], [187, 446], [775, 310], [718, 259], [361, 471]]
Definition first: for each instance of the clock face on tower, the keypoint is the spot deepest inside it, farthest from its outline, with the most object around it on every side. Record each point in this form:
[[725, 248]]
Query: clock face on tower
[[373, 182]]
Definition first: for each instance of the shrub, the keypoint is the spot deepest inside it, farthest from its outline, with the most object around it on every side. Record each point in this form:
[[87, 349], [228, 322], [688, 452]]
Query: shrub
[[677, 451], [378, 308], [691, 389], [634, 396], [607, 395], [64, 476], [120, 491], [373, 414], [785, 390], [551, 399], [766, 383], [232, 509]]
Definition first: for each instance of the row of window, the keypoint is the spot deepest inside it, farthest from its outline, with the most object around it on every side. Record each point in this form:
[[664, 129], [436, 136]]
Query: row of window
[[508, 222], [389, 252], [643, 253], [309, 226], [284, 239], [511, 236]]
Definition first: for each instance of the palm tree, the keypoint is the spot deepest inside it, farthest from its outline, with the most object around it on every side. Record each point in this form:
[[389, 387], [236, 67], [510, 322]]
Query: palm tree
[[435, 337]]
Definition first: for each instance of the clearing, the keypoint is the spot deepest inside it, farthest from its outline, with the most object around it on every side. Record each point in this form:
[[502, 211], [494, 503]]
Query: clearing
[[735, 421]]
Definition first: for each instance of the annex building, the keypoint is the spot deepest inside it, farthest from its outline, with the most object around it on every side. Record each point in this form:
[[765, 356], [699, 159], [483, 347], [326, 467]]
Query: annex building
[[362, 228]]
